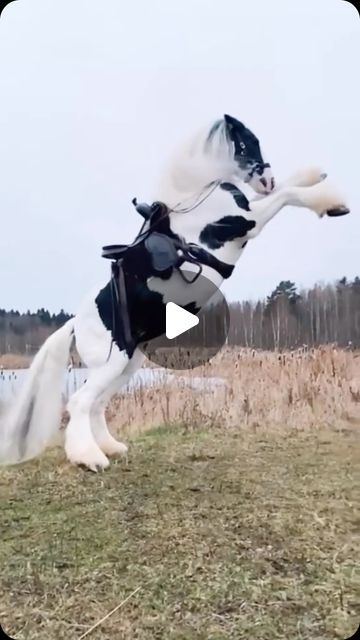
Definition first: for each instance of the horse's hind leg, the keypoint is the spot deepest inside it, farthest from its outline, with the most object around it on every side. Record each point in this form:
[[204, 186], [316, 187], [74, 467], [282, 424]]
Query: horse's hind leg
[[107, 443], [80, 444]]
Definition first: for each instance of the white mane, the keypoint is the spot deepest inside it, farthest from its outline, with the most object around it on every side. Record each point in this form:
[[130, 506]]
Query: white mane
[[207, 156]]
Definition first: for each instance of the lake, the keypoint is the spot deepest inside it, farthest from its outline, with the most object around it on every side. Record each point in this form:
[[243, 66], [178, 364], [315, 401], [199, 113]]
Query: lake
[[11, 380]]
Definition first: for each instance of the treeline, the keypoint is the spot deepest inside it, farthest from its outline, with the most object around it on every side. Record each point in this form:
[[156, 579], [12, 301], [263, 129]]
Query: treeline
[[25, 332], [289, 318], [286, 319]]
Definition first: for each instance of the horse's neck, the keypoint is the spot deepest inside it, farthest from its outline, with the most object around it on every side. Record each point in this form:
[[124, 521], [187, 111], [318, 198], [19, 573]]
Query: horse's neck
[[215, 206], [193, 166], [186, 184]]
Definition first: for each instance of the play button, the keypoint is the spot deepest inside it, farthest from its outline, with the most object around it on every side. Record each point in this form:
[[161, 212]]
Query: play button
[[194, 331], [178, 320]]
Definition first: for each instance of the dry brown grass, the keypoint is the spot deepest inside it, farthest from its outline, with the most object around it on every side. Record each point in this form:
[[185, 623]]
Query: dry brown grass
[[302, 390], [15, 360]]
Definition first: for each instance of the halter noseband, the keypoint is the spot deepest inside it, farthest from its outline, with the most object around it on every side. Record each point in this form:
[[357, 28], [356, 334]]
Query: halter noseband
[[258, 168]]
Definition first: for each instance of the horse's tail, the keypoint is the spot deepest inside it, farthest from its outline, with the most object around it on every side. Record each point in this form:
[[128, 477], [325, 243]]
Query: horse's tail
[[31, 424]]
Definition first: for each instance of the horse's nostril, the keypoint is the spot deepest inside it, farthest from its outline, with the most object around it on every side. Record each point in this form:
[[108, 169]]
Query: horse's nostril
[[272, 183], [263, 182]]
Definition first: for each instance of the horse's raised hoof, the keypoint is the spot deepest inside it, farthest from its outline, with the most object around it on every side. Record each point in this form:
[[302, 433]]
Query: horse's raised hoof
[[337, 211]]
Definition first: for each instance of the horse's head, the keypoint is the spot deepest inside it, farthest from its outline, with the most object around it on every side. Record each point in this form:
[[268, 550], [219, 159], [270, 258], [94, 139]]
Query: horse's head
[[247, 156]]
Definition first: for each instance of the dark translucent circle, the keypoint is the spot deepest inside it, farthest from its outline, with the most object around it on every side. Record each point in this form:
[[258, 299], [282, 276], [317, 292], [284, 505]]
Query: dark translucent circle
[[198, 345]]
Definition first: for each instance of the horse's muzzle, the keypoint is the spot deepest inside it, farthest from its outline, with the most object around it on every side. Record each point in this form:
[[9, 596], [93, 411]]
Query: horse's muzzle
[[268, 184], [263, 184]]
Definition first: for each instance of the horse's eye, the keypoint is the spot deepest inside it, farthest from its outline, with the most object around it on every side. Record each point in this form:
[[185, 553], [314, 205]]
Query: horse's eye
[[242, 145]]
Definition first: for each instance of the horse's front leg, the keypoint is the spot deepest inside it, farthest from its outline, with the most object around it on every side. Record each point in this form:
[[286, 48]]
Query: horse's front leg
[[303, 178], [321, 198]]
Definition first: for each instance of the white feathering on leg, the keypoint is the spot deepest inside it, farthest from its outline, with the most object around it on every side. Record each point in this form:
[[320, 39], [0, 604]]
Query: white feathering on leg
[[322, 197], [306, 177]]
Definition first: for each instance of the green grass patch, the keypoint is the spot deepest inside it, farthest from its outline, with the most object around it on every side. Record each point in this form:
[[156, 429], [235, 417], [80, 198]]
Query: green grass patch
[[227, 534]]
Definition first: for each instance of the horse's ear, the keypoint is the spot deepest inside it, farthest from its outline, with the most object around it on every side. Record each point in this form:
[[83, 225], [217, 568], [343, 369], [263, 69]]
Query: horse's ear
[[233, 123]]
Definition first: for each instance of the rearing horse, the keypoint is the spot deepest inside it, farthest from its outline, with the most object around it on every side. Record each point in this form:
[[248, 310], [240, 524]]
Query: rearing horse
[[202, 190]]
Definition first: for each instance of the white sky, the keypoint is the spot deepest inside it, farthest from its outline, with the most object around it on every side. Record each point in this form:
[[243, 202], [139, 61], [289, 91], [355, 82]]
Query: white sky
[[95, 94]]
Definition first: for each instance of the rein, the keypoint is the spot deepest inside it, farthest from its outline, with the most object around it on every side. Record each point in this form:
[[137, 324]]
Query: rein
[[145, 210], [214, 185]]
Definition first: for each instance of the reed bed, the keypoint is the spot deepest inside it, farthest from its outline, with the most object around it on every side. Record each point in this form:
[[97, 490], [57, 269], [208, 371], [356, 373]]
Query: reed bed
[[302, 389], [14, 360]]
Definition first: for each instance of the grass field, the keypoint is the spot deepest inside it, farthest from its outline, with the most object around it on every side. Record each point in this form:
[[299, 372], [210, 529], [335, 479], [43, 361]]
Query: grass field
[[227, 533]]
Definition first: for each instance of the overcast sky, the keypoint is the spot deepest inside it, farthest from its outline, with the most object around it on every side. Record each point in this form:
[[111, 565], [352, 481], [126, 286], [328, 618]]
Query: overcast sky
[[95, 94]]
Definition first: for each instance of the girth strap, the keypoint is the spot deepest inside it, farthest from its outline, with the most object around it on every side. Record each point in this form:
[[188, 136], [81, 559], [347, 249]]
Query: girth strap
[[120, 306], [200, 255], [164, 254]]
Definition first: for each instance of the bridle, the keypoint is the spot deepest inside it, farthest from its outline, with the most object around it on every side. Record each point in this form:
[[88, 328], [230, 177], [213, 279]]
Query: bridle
[[258, 168]]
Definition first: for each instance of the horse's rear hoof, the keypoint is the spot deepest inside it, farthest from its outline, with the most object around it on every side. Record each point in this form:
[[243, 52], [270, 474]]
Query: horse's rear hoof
[[337, 211]]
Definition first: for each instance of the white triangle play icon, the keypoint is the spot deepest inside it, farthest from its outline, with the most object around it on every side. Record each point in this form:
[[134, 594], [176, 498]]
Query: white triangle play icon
[[178, 320]]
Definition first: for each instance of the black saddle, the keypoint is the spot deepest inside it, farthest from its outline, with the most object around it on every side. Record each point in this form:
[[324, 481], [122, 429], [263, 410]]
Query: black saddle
[[151, 254], [160, 248]]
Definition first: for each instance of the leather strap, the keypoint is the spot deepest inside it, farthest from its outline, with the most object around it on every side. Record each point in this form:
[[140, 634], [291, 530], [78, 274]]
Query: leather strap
[[121, 320]]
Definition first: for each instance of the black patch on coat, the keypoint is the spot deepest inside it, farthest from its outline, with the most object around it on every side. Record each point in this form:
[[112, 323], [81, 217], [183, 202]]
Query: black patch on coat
[[216, 234], [239, 197]]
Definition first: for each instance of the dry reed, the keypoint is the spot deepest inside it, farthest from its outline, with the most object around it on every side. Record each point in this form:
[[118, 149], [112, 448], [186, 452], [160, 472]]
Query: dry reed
[[15, 360], [301, 389]]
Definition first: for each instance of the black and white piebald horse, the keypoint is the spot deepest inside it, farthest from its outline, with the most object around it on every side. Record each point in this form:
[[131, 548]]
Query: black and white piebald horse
[[207, 210]]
